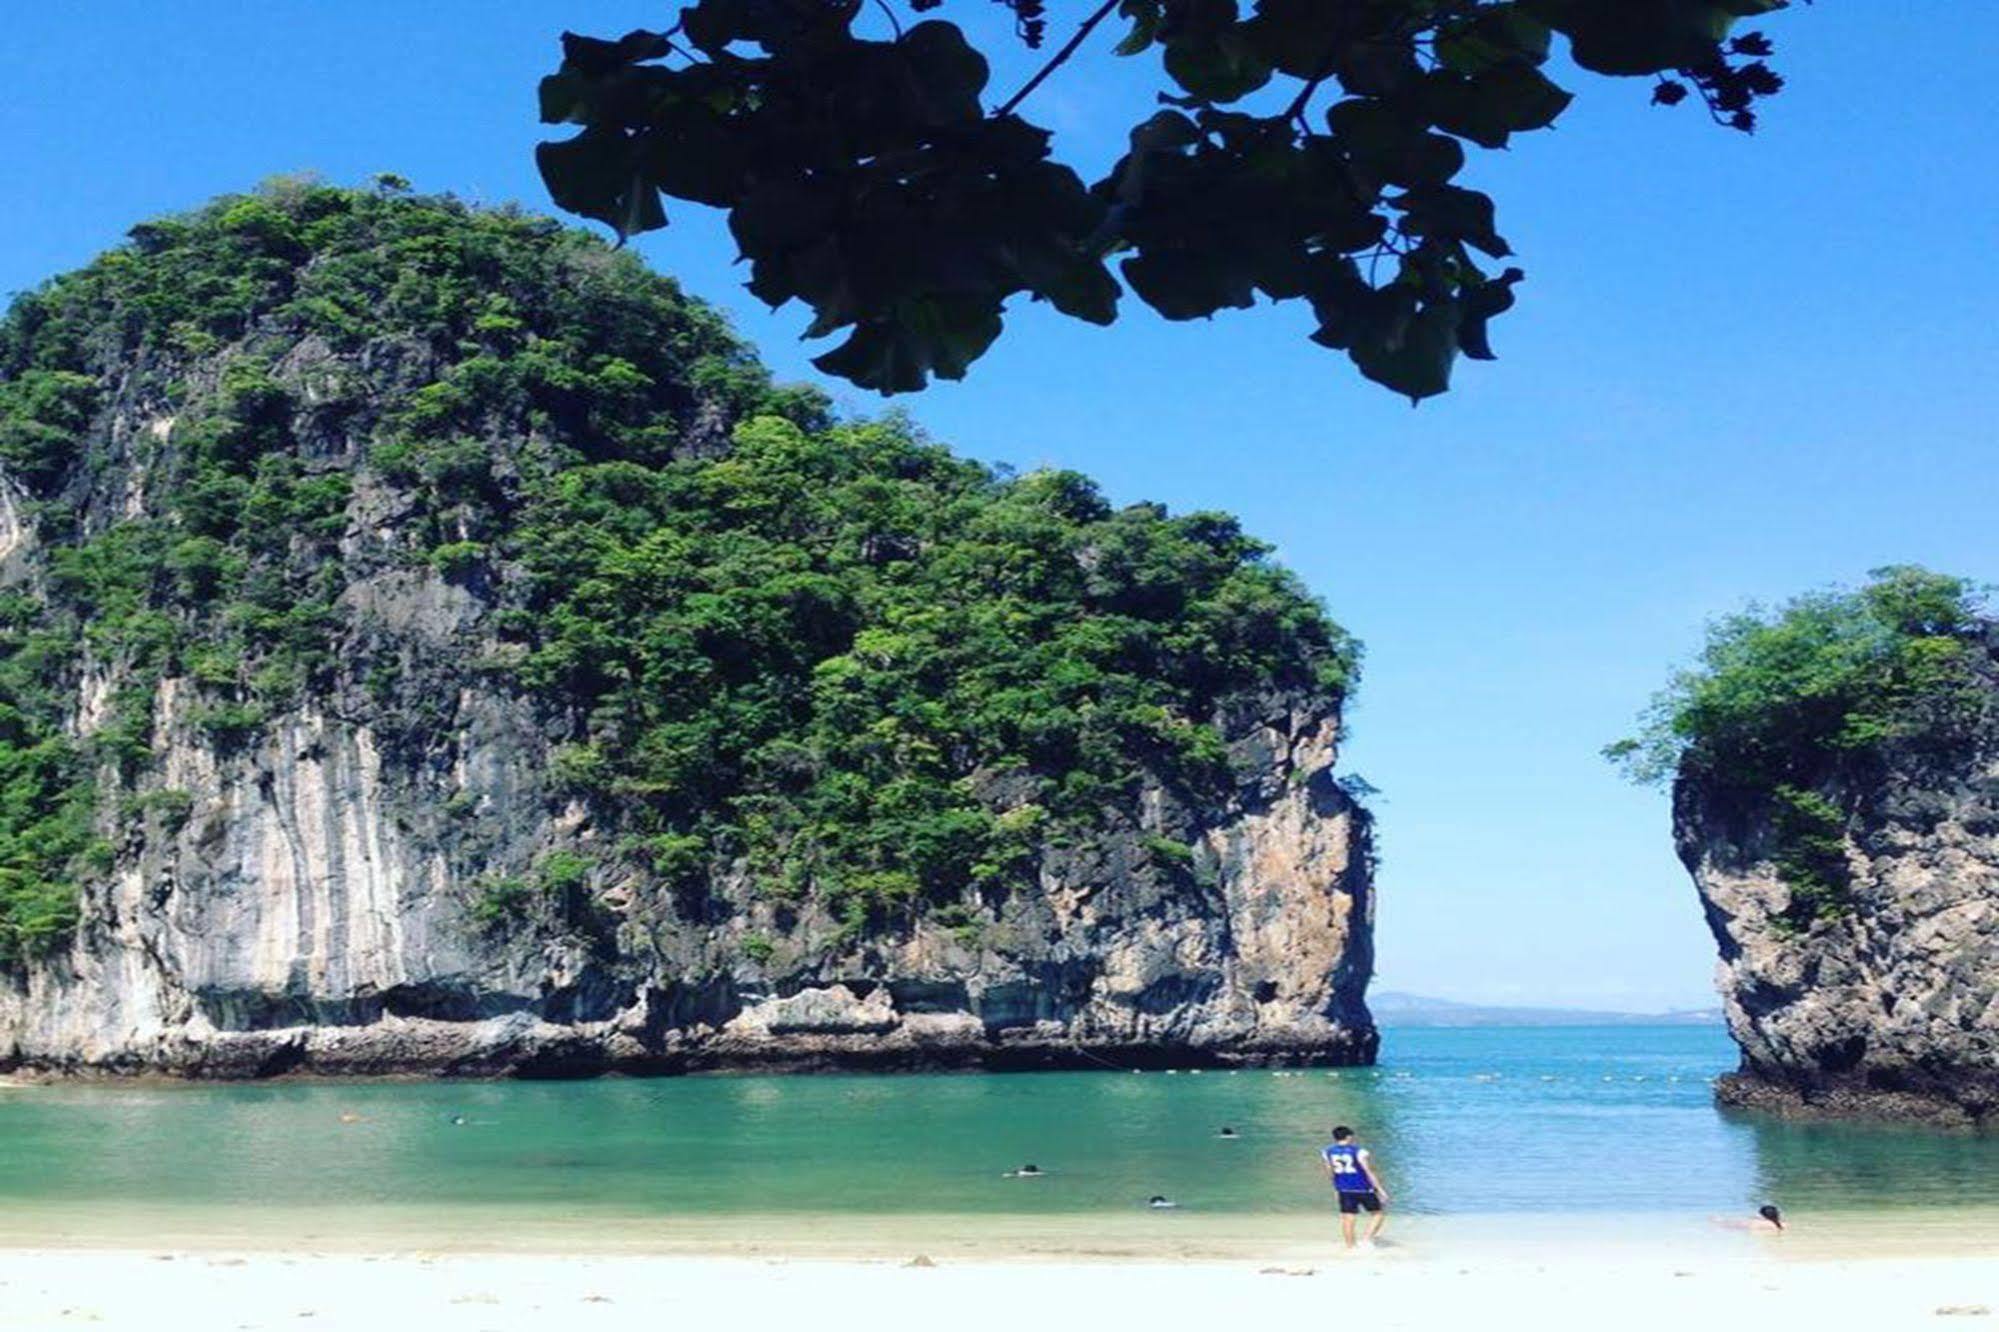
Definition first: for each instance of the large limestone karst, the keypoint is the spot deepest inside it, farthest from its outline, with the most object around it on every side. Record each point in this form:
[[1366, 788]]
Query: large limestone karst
[[1837, 803], [428, 642]]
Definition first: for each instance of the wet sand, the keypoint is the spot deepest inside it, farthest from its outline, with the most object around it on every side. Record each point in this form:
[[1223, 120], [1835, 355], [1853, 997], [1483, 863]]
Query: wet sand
[[1135, 1235]]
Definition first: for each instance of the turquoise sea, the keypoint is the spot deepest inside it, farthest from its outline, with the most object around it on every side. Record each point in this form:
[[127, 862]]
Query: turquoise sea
[[1466, 1123]]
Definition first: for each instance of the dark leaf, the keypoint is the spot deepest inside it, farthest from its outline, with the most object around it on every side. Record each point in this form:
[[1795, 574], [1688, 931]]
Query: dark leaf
[[1520, 97], [780, 213], [1221, 70], [1341, 301], [594, 58], [1413, 357], [946, 73], [1645, 36], [1145, 16], [1084, 291], [954, 331], [596, 174], [715, 25], [564, 98], [1482, 302], [1164, 131], [1492, 36], [692, 154], [898, 355], [1189, 284], [1379, 67], [1447, 212], [1388, 145], [1491, 106]]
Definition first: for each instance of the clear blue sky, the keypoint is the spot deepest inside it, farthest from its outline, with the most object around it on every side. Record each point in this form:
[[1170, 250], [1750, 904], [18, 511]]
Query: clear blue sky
[[1741, 367]]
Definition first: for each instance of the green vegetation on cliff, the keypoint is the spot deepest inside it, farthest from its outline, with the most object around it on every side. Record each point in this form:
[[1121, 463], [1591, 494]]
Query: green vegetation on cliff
[[1785, 701], [809, 648]]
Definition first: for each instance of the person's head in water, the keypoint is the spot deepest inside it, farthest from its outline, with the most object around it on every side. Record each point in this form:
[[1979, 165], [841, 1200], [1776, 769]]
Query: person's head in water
[[1226, 1132], [1343, 1134], [1769, 1212]]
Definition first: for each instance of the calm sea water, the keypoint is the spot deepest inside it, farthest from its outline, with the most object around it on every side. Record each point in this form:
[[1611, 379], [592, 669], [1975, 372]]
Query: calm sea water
[[1553, 1120]]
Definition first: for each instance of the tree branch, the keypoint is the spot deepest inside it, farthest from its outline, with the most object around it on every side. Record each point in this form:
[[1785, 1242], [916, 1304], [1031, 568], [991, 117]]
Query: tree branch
[[1060, 57], [1298, 103]]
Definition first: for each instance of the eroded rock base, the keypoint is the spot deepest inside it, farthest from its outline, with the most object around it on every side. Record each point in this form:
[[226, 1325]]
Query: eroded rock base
[[1970, 1106], [532, 1049]]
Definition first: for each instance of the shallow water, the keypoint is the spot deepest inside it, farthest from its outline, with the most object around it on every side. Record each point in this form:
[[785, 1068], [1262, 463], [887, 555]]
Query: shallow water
[[1610, 1122]]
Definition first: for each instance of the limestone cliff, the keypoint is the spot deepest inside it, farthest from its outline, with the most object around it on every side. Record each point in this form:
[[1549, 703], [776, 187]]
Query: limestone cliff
[[1888, 1005], [312, 914], [352, 728]]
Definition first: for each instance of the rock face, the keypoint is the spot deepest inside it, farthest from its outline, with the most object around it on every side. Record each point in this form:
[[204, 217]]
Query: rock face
[[1891, 1008], [310, 888], [312, 915]]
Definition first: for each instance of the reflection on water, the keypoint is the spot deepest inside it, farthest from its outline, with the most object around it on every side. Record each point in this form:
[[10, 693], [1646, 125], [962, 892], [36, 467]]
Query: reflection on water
[[1464, 1122], [1834, 1166]]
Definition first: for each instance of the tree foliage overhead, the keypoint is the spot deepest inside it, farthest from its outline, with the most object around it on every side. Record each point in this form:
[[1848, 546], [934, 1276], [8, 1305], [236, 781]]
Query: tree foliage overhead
[[1303, 150], [834, 659]]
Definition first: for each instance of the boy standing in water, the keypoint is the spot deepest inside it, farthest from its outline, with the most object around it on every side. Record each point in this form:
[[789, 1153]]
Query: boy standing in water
[[1350, 1167]]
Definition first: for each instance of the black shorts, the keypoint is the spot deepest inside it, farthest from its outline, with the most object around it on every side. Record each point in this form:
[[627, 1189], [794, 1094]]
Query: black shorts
[[1369, 1201]]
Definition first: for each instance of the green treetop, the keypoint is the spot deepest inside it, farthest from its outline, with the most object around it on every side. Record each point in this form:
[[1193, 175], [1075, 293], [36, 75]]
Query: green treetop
[[1782, 695], [1785, 703]]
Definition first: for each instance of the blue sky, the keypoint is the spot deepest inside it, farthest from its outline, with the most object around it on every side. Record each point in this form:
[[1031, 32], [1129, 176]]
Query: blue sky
[[1741, 367]]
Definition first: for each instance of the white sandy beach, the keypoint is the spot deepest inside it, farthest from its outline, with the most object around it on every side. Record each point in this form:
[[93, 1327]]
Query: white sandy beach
[[497, 1293], [447, 1270]]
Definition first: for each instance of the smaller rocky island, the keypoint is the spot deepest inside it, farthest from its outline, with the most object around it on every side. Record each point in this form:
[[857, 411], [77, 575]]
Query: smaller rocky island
[[1835, 769], [431, 644]]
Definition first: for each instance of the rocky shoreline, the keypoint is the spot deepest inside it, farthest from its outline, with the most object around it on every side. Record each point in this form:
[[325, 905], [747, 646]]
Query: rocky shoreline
[[1788, 1099], [540, 1050], [832, 1029]]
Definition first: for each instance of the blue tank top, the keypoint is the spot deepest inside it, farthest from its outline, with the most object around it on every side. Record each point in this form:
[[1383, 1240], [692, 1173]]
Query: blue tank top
[[1348, 1177]]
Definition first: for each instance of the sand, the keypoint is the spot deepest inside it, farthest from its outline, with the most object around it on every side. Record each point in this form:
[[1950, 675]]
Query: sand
[[1743, 1282], [125, 1289]]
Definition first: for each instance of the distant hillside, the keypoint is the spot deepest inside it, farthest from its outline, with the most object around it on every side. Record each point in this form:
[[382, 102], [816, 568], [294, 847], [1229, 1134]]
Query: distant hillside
[[1393, 1009]]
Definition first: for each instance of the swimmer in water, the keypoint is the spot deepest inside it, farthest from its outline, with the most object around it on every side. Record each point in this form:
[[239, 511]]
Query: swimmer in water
[[459, 1119], [1028, 1171], [1160, 1202], [1767, 1221], [1226, 1132]]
